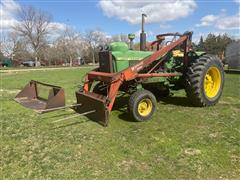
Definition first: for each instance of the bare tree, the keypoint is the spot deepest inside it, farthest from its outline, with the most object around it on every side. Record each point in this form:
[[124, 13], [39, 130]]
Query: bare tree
[[94, 38], [71, 45], [34, 26], [120, 38], [14, 46], [7, 44]]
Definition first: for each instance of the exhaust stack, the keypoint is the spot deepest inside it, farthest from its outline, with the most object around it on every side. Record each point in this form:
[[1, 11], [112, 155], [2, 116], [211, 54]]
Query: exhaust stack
[[143, 35]]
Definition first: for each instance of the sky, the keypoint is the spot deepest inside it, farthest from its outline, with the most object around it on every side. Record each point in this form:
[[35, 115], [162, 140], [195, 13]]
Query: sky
[[123, 17]]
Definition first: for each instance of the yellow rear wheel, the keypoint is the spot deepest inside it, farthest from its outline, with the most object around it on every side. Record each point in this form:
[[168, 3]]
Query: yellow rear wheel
[[212, 82], [205, 80]]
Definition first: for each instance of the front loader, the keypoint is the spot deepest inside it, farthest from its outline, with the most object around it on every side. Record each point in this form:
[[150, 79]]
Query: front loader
[[168, 63]]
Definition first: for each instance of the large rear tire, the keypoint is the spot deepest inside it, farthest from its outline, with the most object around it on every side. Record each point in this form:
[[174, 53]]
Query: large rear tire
[[205, 80], [142, 105]]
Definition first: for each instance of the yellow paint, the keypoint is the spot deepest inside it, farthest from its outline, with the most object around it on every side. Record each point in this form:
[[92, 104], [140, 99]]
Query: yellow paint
[[178, 53], [212, 82], [145, 107]]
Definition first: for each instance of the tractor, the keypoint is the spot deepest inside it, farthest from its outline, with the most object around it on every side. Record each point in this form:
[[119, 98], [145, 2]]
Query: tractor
[[168, 63]]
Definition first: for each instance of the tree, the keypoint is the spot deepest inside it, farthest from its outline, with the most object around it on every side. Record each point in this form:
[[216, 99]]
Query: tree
[[120, 38], [200, 46], [14, 46], [34, 26], [222, 42], [217, 44], [71, 45], [1, 56], [94, 38]]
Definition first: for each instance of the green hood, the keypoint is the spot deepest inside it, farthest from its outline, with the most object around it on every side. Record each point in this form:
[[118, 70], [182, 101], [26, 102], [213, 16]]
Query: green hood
[[121, 52]]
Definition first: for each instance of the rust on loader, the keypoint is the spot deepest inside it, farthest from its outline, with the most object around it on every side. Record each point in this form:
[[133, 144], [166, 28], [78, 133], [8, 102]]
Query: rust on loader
[[91, 101], [29, 97]]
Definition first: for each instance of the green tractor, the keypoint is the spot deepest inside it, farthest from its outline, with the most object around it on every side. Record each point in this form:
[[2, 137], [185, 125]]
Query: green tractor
[[168, 63], [200, 74]]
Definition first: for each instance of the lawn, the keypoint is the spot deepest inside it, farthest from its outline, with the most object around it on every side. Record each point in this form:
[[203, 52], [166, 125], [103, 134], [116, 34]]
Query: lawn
[[180, 142]]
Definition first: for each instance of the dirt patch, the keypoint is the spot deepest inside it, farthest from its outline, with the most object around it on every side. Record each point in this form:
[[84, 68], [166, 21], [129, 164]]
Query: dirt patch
[[192, 152], [9, 91]]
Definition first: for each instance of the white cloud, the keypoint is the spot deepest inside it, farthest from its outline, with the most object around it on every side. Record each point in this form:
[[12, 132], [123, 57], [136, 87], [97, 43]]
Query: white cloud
[[8, 12], [157, 11], [165, 26], [236, 1], [222, 21], [8, 9], [56, 26]]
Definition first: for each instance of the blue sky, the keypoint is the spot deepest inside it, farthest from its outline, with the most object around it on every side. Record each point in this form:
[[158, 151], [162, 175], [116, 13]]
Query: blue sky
[[116, 16]]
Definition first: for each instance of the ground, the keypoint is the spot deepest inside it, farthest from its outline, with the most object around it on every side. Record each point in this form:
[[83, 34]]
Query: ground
[[180, 142]]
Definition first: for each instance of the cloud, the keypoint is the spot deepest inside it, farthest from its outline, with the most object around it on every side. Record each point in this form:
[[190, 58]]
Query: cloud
[[8, 13], [56, 29], [8, 9], [157, 11], [237, 1], [148, 33], [56, 26], [221, 21]]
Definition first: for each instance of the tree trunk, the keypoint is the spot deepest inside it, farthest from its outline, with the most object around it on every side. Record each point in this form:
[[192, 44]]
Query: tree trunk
[[36, 60], [93, 54], [70, 58]]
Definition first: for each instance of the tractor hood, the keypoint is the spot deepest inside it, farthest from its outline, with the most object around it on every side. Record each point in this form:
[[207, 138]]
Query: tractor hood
[[121, 52]]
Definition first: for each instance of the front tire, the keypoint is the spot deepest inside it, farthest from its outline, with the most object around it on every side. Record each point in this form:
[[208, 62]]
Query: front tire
[[142, 105], [205, 80]]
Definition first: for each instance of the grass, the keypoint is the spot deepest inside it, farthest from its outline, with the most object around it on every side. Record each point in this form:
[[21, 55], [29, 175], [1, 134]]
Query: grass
[[180, 142]]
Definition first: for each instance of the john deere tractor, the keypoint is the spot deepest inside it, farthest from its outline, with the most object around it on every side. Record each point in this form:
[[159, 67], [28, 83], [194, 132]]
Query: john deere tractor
[[168, 63]]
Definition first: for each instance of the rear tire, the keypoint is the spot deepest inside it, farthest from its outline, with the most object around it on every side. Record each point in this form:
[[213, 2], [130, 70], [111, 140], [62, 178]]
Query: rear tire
[[142, 105], [205, 80]]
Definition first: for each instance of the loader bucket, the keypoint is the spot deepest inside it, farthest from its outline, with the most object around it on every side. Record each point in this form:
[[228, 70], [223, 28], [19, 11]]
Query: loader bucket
[[93, 102], [32, 96]]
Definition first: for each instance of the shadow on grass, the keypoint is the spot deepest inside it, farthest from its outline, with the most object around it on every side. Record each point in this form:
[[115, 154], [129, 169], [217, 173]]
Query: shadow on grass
[[121, 105], [232, 71], [177, 101]]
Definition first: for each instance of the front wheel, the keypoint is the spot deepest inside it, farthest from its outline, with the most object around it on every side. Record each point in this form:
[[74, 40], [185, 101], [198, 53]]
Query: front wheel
[[142, 105], [205, 80]]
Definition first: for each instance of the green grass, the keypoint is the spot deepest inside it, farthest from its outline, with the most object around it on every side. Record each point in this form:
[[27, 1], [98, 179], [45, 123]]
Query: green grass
[[180, 142]]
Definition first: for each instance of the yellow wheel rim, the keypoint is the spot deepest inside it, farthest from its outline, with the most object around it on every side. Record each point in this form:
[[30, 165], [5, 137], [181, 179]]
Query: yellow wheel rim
[[212, 82], [145, 107]]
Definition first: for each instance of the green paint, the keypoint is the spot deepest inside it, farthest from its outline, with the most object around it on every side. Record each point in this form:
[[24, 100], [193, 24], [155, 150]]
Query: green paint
[[123, 57], [119, 46], [200, 53], [7, 62]]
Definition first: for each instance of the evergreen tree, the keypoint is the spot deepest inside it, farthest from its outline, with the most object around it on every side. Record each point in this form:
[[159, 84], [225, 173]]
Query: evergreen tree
[[200, 46], [217, 44]]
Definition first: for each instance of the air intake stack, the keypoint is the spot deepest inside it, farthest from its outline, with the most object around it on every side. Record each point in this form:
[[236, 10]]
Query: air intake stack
[[131, 38]]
